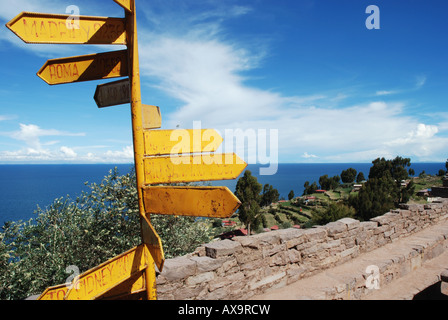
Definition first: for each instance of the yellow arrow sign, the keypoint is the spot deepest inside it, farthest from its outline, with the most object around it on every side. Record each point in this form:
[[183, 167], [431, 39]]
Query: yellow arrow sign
[[60, 28], [217, 202], [132, 286], [108, 275], [162, 142], [85, 68], [55, 293], [191, 168]]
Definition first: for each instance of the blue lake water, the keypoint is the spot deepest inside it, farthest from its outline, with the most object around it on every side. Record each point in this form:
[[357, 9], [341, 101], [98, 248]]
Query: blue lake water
[[23, 187]]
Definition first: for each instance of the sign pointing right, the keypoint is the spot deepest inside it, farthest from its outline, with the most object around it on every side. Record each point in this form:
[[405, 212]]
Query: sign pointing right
[[191, 168], [216, 202]]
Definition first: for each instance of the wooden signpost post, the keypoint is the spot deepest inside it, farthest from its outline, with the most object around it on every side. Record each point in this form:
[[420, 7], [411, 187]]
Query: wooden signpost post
[[160, 156]]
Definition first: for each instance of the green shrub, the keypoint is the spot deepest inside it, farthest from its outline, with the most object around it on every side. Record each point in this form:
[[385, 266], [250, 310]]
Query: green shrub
[[99, 225]]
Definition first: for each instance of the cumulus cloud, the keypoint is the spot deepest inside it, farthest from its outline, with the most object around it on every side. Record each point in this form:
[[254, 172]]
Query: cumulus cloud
[[204, 72], [31, 134], [68, 152], [191, 59]]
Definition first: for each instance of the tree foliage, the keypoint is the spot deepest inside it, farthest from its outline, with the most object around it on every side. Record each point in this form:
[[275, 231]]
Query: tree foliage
[[349, 175], [360, 177], [269, 195], [291, 195], [309, 188], [327, 183], [333, 212], [98, 225], [384, 190], [248, 192]]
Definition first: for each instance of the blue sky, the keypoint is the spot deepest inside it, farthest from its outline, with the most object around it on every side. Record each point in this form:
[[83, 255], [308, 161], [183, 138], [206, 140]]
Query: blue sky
[[310, 70]]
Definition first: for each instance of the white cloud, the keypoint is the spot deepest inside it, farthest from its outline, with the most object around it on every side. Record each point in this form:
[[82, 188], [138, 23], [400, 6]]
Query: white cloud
[[68, 152], [32, 133], [420, 81], [126, 153], [386, 92], [203, 70], [6, 117], [306, 155]]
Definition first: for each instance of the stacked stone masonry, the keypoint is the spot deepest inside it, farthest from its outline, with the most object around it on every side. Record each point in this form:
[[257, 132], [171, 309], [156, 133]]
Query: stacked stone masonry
[[249, 265]]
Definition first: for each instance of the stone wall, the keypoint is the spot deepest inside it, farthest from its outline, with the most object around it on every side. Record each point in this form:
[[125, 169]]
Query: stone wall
[[249, 265]]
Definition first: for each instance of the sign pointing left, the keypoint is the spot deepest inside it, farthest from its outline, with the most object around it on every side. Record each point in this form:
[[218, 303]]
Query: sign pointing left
[[60, 28], [84, 68]]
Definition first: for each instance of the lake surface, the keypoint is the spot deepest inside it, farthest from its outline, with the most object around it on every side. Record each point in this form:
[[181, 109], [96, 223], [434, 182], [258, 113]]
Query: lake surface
[[24, 187]]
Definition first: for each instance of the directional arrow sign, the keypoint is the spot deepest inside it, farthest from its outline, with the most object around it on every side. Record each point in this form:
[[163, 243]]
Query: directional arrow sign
[[85, 68], [217, 202], [132, 286], [55, 293], [162, 142], [108, 275], [113, 93], [60, 28], [191, 168]]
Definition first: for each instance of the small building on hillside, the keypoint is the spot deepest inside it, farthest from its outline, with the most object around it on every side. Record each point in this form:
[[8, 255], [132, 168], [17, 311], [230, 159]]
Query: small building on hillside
[[228, 223]]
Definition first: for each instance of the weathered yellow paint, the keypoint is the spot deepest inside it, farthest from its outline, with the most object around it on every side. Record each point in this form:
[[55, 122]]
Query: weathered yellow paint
[[190, 168], [85, 68], [101, 279], [217, 202], [133, 286], [152, 119], [181, 141], [125, 4], [153, 241], [55, 293], [130, 270], [149, 236], [61, 28], [108, 275]]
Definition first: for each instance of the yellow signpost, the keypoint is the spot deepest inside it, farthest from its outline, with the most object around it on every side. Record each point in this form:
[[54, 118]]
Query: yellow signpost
[[160, 156], [101, 279], [216, 202], [163, 142], [191, 168], [85, 68], [61, 29]]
